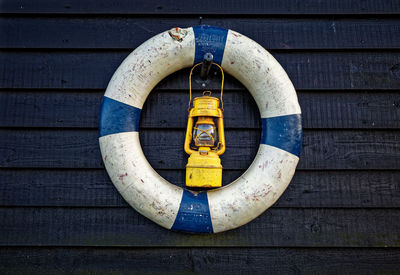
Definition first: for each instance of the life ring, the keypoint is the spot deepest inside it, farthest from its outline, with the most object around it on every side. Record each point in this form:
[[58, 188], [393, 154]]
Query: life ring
[[220, 209]]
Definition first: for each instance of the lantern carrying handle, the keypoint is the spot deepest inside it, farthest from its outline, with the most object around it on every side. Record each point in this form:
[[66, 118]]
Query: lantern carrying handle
[[190, 83]]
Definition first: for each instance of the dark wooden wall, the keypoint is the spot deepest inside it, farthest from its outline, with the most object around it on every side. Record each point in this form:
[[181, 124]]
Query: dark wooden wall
[[59, 212]]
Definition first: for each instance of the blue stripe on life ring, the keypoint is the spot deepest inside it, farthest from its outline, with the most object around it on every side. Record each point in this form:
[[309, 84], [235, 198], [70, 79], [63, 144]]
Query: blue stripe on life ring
[[209, 39], [194, 213], [117, 117], [283, 132]]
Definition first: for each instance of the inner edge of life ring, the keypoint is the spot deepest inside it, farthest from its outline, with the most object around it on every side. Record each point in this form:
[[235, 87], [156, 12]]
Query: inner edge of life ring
[[254, 191]]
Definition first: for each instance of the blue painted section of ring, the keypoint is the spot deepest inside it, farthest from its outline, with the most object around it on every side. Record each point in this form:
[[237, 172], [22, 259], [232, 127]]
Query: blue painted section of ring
[[209, 39], [194, 214], [117, 117], [284, 132]]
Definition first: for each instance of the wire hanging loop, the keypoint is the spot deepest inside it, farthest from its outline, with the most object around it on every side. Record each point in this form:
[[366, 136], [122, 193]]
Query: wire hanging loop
[[222, 84]]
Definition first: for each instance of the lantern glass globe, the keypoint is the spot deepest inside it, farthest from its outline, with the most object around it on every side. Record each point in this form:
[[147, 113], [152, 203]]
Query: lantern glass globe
[[204, 135]]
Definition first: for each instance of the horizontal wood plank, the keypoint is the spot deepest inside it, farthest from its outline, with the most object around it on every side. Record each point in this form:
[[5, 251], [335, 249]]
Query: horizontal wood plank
[[333, 110], [276, 227], [93, 70], [164, 150], [37, 260], [129, 33], [93, 188], [207, 7]]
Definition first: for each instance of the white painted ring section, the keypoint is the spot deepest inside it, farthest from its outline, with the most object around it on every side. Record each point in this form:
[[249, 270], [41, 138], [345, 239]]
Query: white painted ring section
[[261, 74], [140, 185], [253, 192], [147, 65]]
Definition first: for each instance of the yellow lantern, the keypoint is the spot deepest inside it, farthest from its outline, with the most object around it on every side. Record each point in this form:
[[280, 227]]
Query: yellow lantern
[[202, 142]]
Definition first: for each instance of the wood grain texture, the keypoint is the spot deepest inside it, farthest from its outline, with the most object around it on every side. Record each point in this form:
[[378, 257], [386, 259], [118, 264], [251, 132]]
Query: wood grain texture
[[155, 7], [129, 33], [93, 188], [163, 149], [93, 69], [332, 110], [198, 260], [277, 227]]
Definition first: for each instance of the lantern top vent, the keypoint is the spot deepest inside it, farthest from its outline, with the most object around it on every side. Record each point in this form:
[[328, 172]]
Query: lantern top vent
[[206, 105]]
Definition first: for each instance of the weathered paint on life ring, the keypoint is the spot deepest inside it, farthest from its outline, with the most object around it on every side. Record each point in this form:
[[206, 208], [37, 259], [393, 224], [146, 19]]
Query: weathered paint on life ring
[[253, 192]]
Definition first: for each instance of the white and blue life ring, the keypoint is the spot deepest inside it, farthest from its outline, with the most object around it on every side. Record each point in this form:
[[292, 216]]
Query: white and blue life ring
[[167, 204]]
